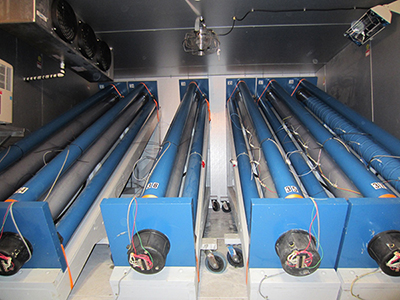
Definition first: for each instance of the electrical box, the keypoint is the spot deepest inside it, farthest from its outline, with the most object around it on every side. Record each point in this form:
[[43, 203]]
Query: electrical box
[[6, 91]]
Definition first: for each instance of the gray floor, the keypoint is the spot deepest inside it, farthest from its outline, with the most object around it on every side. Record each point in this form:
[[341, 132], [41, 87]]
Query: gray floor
[[93, 282]]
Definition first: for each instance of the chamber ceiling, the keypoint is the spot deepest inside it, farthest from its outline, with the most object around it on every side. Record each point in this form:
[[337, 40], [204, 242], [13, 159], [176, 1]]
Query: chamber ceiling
[[147, 35]]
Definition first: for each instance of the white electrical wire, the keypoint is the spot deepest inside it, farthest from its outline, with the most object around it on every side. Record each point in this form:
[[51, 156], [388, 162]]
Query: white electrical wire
[[262, 280], [19, 232], [358, 278]]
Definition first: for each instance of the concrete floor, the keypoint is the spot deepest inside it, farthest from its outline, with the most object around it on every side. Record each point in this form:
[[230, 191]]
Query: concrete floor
[[93, 282]]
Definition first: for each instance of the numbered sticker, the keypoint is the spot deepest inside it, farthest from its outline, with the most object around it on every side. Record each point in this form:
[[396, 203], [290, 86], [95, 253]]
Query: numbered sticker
[[152, 185], [291, 189], [22, 190], [183, 83], [378, 185], [230, 82], [131, 85], [260, 82]]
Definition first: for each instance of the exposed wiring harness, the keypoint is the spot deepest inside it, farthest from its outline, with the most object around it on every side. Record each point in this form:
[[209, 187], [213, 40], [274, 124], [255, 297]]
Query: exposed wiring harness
[[7, 263], [135, 258]]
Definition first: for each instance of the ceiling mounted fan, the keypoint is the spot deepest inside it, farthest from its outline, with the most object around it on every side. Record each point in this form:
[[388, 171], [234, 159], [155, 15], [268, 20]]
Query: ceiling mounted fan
[[201, 41]]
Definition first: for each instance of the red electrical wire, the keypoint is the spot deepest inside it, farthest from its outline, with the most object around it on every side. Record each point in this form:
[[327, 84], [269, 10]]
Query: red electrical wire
[[154, 99], [237, 84], [258, 100], [294, 91], [122, 96], [208, 103]]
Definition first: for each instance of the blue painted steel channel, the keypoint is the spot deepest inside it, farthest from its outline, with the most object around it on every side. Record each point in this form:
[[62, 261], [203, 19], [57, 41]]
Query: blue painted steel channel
[[383, 137], [42, 181], [192, 181], [304, 172], [247, 181], [285, 184], [373, 153], [367, 183], [19, 149], [158, 182], [70, 221]]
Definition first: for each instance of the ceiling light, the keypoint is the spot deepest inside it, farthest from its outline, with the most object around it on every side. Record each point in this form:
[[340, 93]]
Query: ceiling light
[[201, 41], [372, 22]]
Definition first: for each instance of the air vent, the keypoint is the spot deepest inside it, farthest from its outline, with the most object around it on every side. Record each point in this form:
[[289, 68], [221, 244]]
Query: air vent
[[103, 56], [64, 20], [87, 40]]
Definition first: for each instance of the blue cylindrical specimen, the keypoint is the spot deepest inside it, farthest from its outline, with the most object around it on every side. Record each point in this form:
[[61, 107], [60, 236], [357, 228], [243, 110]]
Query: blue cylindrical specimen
[[75, 214], [387, 140], [158, 182], [285, 184], [19, 149], [192, 181], [247, 181], [374, 155], [304, 172], [367, 183], [48, 175]]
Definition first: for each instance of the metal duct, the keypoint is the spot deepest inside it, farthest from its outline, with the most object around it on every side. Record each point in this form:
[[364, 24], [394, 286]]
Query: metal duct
[[68, 185], [366, 182], [267, 184], [159, 177], [247, 180], [373, 154], [75, 214], [306, 175], [176, 176], [285, 184], [383, 137], [48, 175], [20, 148], [195, 161], [23, 170], [338, 182]]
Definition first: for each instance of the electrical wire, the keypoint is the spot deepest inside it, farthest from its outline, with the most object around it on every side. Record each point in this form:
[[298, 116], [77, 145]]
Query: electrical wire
[[147, 256], [119, 282], [4, 156], [358, 278], [263, 279], [235, 18], [19, 232], [58, 176]]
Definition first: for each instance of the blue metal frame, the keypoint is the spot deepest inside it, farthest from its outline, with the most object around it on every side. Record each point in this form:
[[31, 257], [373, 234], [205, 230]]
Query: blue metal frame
[[171, 216], [36, 224], [288, 83], [152, 85], [367, 217], [273, 217], [232, 85], [202, 83]]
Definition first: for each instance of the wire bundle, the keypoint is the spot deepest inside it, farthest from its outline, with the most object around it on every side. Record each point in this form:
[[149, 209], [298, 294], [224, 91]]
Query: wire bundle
[[134, 256]]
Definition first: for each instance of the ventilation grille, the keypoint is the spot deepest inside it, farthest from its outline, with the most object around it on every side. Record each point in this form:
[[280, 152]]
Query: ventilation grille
[[64, 20], [87, 40], [103, 56]]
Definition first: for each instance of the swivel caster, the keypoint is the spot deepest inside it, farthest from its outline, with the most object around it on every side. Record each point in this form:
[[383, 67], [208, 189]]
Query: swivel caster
[[235, 257], [215, 262]]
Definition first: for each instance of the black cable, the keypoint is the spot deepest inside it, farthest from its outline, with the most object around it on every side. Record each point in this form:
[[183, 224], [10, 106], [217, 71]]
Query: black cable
[[287, 11]]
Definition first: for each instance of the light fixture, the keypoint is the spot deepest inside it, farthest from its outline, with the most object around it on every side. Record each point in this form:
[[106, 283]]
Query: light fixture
[[372, 22], [201, 41]]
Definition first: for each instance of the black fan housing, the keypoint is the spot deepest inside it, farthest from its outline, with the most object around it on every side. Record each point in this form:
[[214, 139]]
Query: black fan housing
[[64, 20], [103, 55], [87, 40]]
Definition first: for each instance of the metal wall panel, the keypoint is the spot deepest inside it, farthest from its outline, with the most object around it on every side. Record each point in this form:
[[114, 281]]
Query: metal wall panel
[[36, 103]]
